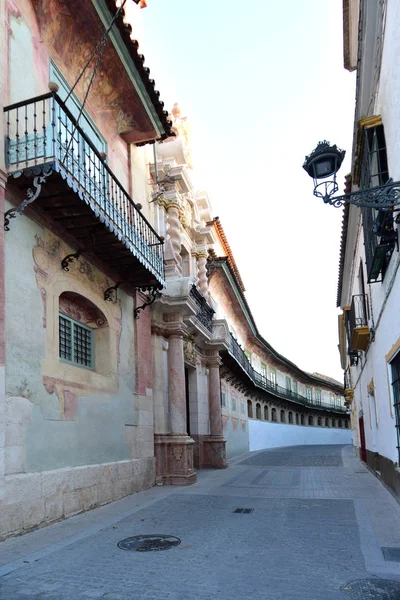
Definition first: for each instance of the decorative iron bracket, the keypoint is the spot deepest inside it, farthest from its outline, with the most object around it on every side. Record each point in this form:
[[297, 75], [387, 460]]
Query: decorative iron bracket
[[385, 197], [69, 259], [110, 295], [154, 293], [31, 196], [75, 255]]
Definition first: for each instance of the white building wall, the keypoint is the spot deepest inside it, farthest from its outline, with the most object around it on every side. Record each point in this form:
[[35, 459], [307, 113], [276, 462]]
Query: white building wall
[[263, 435]]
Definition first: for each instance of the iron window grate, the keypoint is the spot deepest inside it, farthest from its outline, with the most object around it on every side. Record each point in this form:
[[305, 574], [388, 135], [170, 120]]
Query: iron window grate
[[76, 342], [243, 511]]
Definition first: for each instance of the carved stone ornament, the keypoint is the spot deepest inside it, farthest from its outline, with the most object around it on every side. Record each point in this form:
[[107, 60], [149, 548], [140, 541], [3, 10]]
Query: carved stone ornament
[[189, 349]]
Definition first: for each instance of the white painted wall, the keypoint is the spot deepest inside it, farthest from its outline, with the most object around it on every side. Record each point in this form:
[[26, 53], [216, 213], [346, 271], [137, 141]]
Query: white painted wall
[[275, 435]]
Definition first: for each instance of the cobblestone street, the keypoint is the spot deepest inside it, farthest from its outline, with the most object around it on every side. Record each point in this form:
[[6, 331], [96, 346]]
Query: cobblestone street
[[318, 524]]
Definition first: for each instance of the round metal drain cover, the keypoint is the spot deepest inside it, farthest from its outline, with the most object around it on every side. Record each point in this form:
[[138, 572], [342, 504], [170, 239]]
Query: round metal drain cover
[[149, 543]]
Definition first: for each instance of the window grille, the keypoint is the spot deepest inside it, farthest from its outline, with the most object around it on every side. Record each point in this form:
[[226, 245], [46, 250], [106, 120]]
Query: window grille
[[377, 226], [76, 342], [309, 394], [318, 397], [395, 365]]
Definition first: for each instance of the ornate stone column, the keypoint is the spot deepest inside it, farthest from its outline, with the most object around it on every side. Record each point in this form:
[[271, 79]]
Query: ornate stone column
[[214, 444], [174, 451], [202, 273], [173, 245]]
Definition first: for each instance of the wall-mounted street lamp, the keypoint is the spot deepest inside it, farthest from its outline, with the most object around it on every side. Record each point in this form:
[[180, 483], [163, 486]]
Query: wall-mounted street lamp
[[322, 165]]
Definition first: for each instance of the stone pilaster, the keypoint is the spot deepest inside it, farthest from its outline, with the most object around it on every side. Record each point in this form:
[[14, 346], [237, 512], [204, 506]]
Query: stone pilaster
[[214, 444], [174, 451]]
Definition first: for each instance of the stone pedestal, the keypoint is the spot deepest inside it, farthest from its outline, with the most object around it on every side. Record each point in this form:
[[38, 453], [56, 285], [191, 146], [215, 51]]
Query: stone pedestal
[[174, 459], [214, 452]]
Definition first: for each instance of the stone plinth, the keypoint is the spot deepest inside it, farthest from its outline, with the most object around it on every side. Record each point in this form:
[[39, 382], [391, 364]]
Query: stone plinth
[[214, 452], [174, 459]]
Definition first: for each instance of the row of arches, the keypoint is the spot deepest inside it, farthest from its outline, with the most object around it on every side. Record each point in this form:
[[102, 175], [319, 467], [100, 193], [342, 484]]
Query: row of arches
[[274, 415]]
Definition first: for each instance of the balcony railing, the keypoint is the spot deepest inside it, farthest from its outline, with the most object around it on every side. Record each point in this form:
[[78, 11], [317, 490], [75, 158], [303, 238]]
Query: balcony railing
[[358, 329], [42, 134], [204, 311], [272, 388]]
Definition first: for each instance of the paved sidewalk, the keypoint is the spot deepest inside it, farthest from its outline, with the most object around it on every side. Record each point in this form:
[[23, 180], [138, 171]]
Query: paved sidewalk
[[318, 524]]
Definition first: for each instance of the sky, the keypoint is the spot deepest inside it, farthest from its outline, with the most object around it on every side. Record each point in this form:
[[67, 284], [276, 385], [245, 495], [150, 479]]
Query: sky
[[262, 83]]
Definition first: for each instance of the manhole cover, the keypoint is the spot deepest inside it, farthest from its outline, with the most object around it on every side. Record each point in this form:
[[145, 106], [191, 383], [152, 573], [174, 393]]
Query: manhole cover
[[391, 554], [149, 543], [373, 589], [243, 511]]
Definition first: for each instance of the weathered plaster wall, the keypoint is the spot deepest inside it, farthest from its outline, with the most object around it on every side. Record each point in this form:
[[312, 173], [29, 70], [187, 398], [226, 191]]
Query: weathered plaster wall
[[234, 421], [74, 437], [105, 404], [276, 435]]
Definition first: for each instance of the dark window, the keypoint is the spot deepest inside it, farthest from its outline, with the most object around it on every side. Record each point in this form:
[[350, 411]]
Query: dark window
[[379, 235], [249, 409], [395, 364]]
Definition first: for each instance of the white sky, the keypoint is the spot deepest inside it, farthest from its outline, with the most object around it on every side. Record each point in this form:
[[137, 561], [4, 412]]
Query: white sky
[[262, 82]]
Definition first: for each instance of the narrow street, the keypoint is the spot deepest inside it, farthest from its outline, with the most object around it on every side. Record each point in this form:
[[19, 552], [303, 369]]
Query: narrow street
[[318, 522]]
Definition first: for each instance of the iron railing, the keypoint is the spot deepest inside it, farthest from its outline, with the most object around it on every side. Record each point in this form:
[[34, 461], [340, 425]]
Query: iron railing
[[204, 311], [42, 132], [358, 313], [273, 388]]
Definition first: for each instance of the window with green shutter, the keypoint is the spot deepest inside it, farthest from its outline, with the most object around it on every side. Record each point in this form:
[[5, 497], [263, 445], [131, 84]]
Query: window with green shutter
[[76, 342]]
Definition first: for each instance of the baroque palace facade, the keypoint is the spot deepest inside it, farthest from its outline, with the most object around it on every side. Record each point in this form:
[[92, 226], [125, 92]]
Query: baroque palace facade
[[128, 353]]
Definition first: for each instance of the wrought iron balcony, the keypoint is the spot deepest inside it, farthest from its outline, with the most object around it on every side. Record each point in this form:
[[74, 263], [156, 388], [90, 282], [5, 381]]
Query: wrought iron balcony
[[204, 311], [237, 352], [358, 329], [74, 189]]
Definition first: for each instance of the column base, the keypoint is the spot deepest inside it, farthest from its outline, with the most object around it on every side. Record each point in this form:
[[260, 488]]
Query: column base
[[214, 452], [174, 459]]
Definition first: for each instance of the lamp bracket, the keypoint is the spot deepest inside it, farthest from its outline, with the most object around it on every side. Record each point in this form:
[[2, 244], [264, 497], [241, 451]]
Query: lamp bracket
[[384, 197]]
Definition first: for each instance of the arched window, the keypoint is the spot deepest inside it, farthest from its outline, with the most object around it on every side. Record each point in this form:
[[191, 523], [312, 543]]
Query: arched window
[[311, 420], [266, 412], [340, 423], [283, 416], [82, 328], [302, 420], [346, 424], [333, 423], [249, 409], [258, 411], [297, 418], [290, 417], [326, 422], [273, 415], [319, 422]]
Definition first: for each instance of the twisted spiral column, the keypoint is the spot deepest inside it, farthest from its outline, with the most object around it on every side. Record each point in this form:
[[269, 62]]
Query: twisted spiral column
[[202, 273], [174, 229]]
